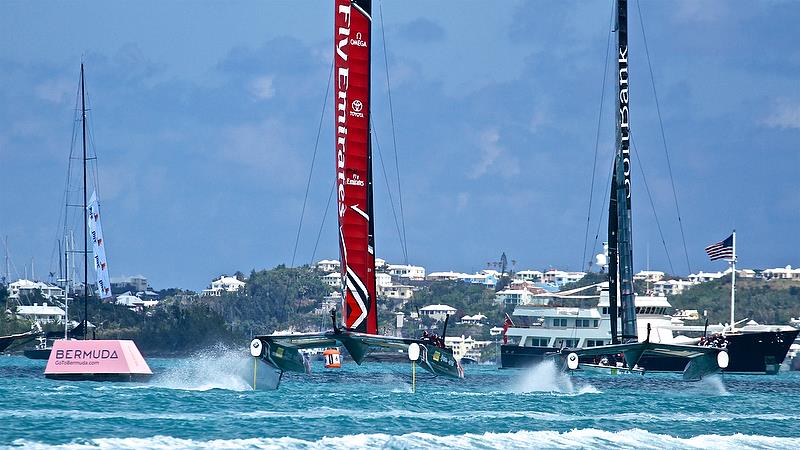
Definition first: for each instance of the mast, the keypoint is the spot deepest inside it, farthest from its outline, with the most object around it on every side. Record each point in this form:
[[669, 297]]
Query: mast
[[613, 261], [7, 279], [622, 187], [85, 216], [66, 286], [733, 281], [352, 33]]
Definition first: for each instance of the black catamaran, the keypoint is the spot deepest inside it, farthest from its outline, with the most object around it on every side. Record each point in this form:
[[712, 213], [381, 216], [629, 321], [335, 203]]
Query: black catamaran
[[700, 360], [359, 330]]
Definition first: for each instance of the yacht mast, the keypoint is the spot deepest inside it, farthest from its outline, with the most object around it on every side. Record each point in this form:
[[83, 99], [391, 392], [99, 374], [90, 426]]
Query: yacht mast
[[733, 281], [85, 217], [622, 187]]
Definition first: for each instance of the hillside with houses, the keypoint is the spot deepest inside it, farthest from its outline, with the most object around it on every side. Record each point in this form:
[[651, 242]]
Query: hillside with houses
[[236, 306]]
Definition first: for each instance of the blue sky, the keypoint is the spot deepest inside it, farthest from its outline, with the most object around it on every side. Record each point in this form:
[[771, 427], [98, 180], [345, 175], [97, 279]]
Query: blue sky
[[205, 115]]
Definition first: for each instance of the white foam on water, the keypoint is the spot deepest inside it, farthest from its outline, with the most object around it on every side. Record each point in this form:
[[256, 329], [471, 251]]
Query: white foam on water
[[546, 377], [585, 438], [214, 368], [713, 385]]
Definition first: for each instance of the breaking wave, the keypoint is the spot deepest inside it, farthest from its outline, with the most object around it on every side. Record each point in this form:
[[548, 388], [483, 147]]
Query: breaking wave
[[586, 438]]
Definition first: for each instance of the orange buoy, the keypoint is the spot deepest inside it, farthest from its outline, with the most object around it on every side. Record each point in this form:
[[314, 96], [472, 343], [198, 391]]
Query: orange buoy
[[333, 358]]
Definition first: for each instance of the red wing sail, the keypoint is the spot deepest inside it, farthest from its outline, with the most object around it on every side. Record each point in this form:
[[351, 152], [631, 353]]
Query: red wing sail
[[353, 164]]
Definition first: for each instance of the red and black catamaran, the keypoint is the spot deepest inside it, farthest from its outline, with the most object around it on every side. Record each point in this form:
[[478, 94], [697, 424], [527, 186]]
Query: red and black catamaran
[[359, 330]]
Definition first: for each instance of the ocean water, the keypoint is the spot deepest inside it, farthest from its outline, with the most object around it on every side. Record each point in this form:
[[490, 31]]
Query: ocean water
[[206, 402]]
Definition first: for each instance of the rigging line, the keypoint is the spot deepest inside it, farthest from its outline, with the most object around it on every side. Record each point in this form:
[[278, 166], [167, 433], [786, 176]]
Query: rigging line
[[597, 138], [652, 203], [389, 190], [64, 215], [322, 225], [602, 210], [663, 137], [311, 170], [404, 241]]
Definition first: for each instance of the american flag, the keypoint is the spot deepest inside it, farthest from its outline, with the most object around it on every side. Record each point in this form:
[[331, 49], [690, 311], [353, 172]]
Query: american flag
[[721, 250]]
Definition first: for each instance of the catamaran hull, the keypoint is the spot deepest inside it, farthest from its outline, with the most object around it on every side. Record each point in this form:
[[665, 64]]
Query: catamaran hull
[[6, 341], [752, 353]]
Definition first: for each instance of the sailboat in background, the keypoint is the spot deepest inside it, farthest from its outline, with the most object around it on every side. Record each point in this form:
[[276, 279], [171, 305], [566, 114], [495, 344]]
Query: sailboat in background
[[700, 361], [91, 359], [359, 330]]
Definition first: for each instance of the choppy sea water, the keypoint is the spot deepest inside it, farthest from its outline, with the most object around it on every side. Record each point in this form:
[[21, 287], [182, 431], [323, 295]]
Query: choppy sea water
[[206, 402]]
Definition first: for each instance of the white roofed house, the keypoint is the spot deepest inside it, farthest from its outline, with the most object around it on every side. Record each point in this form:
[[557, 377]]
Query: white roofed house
[[407, 271], [649, 276], [671, 287], [703, 277], [383, 279], [328, 265], [466, 347], [437, 312], [396, 291], [477, 319], [487, 279], [224, 284], [445, 276], [519, 297], [781, 273], [528, 275], [27, 288], [560, 277], [134, 302], [333, 280], [41, 314]]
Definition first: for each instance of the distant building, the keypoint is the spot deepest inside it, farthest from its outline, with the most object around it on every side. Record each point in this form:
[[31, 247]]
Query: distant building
[[477, 319], [41, 314], [437, 312], [328, 265], [649, 276], [224, 284], [483, 277], [528, 275], [486, 279], [396, 291], [782, 273], [445, 276], [135, 302], [560, 278], [407, 271], [333, 280], [671, 287], [383, 279], [137, 282], [466, 347], [533, 288], [26, 288], [704, 277], [518, 297]]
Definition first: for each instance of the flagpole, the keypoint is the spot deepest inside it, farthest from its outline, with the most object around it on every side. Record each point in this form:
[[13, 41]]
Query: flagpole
[[733, 280]]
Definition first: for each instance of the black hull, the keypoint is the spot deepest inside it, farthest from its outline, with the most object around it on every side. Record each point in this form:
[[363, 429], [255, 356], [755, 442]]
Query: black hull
[[38, 353], [757, 353], [116, 377], [6, 341]]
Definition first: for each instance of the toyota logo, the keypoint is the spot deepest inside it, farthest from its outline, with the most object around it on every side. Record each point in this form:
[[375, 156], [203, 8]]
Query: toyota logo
[[357, 105]]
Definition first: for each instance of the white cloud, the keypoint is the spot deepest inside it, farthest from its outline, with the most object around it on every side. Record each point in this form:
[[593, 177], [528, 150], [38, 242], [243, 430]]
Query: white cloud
[[493, 158], [263, 88], [784, 115]]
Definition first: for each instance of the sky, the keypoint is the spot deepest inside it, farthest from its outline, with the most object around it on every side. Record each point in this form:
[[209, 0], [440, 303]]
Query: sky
[[204, 117]]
